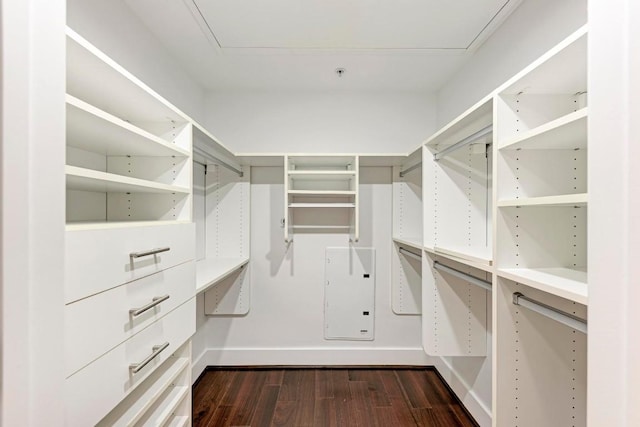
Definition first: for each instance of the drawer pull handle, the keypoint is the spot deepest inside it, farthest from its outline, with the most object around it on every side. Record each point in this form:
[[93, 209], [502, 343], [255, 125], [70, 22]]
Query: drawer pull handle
[[155, 301], [157, 349], [155, 251]]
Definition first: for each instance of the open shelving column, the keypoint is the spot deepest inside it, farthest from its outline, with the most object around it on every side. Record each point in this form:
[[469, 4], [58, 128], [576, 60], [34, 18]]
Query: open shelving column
[[541, 240], [321, 193], [128, 150], [221, 209], [457, 190]]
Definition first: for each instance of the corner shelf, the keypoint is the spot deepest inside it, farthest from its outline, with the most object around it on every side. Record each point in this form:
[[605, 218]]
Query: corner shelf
[[565, 200], [566, 132], [83, 179], [211, 271], [562, 282]]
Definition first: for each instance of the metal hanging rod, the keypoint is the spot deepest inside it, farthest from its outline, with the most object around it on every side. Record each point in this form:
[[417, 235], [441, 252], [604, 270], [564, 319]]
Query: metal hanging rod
[[410, 254], [464, 276], [563, 317], [217, 161], [466, 141], [409, 169]]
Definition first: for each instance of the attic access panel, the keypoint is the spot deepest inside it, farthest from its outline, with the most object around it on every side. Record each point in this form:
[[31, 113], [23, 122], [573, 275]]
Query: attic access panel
[[349, 293], [359, 24]]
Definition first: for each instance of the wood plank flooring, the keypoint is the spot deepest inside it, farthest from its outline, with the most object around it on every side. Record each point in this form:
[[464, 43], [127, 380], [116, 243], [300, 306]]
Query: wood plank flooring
[[325, 397]]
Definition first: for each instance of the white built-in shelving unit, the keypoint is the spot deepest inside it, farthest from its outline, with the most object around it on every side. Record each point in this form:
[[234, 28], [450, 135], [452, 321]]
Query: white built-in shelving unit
[[221, 213], [130, 270], [541, 241], [321, 193], [457, 171]]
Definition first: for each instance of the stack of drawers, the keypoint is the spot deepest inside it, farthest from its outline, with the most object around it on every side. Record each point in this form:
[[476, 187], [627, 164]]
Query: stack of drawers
[[129, 316]]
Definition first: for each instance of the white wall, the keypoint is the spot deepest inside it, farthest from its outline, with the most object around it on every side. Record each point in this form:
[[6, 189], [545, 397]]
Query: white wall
[[285, 322], [321, 121], [116, 30], [533, 28]]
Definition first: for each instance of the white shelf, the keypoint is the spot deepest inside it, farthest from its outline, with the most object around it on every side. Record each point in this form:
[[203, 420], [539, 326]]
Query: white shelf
[[322, 193], [547, 201], [90, 180], [95, 78], [414, 242], [96, 225], [321, 176], [92, 129], [321, 227], [210, 271], [480, 258], [322, 205], [472, 120], [311, 162], [562, 282], [564, 133], [562, 69]]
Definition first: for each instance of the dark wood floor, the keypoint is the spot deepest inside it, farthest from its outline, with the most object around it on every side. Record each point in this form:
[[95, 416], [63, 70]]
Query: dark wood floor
[[325, 397]]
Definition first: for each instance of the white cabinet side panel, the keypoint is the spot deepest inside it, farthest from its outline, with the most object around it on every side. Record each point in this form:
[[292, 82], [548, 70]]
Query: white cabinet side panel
[[454, 312], [461, 199], [199, 215], [406, 289], [232, 296], [541, 365], [227, 212], [349, 293]]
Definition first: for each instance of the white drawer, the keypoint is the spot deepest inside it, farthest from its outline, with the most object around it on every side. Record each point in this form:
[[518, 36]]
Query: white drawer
[[95, 325], [92, 392], [97, 260], [136, 409]]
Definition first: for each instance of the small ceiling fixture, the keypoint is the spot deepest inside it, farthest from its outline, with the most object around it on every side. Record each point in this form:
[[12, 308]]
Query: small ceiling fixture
[[340, 72]]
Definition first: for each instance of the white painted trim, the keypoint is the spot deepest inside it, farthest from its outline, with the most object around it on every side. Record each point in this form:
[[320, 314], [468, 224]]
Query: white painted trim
[[467, 396], [309, 356]]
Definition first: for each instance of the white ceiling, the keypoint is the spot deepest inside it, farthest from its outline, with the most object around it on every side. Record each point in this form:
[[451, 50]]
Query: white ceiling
[[298, 44]]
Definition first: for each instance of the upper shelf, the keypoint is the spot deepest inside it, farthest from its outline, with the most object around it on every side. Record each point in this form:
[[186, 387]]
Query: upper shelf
[[92, 129], [91, 180], [474, 119], [321, 163], [97, 79], [565, 133], [562, 70], [321, 175]]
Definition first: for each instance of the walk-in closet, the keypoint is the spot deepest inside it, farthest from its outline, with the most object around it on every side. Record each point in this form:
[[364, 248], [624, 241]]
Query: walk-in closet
[[303, 213]]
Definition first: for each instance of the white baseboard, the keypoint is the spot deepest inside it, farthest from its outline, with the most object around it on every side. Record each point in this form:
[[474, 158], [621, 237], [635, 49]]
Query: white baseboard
[[308, 357], [467, 396], [343, 356]]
